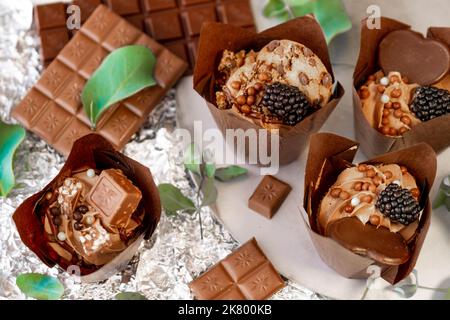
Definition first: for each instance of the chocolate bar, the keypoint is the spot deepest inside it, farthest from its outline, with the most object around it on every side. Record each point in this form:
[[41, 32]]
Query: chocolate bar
[[174, 23], [52, 108], [269, 196], [246, 274]]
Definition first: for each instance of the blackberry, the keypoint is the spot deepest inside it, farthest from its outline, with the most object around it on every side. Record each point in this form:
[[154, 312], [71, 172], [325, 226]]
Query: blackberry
[[430, 102], [287, 103], [398, 204]]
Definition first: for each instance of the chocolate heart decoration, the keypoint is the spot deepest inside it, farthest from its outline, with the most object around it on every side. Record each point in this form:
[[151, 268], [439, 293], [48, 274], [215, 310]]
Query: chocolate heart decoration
[[423, 61], [380, 244]]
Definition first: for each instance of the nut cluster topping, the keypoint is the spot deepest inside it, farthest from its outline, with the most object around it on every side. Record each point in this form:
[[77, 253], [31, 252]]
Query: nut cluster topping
[[385, 102]]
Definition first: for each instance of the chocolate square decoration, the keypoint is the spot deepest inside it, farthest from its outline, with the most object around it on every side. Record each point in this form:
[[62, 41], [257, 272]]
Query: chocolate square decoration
[[246, 274], [174, 23], [53, 108], [114, 197], [269, 196]]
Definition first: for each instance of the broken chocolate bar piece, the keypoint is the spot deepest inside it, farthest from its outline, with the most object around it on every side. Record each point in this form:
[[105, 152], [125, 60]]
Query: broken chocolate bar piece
[[52, 108], [246, 274], [115, 197], [175, 24], [269, 196]]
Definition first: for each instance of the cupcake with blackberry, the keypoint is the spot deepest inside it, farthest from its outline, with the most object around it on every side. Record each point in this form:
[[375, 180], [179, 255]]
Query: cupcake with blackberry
[[280, 85], [373, 213], [279, 81], [402, 88], [381, 198]]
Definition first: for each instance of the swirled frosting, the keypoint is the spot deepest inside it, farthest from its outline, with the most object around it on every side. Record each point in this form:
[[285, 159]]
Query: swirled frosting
[[356, 192]]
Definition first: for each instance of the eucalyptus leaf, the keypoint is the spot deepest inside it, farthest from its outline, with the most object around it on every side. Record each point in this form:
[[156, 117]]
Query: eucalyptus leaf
[[192, 159], [330, 14], [10, 138], [130, 296], [443, 197], [39, 286], [173, 200], [274, 8], [123, 73], [209, 192], [230, 173], [208, 170], [406, 290]]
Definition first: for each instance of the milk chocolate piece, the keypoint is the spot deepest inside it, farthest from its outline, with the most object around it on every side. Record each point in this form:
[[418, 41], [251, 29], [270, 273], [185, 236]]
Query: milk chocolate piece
[[246, 274], [52, 108], [115, 197], [379, 244], [423, 61], [175, 24], [269, 196]]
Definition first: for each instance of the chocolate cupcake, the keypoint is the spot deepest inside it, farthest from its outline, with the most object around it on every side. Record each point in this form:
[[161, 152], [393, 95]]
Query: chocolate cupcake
[[374, 213], [279, 80], [402, 85], [94, 214]]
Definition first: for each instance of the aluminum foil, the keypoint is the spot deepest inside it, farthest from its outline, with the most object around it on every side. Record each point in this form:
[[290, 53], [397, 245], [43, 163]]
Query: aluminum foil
[[165, 264]]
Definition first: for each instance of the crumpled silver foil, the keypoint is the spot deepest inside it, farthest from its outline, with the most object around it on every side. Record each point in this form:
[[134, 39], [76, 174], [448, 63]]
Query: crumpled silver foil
[[165, 264]]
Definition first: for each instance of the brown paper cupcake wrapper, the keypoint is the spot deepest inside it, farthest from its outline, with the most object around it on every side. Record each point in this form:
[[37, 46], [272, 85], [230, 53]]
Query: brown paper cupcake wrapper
[[216, 37], [327, 153], [91, 151], [435, 132]]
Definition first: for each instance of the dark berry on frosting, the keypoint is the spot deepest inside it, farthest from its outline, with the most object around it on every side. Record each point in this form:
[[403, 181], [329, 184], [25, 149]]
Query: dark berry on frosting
[[398, 204], [430, 102], [287, 103]]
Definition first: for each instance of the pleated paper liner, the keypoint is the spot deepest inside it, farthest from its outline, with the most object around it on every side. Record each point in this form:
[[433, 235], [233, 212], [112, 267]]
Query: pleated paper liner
[[329, 155], [91, 151], [435, 132], [216, 37]]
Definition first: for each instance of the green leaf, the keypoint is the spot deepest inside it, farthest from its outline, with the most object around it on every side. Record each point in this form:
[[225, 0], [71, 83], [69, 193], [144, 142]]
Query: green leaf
[[10, 138], [130, 296], [274, 8], [173, 200], [230, 173], [39, 286], [330, 14], [123, 73], [192, 159], [443, 197], [406, 290], [209, 192]]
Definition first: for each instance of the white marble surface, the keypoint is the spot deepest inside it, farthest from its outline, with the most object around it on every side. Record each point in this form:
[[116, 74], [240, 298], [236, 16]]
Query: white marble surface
[[284, 238]]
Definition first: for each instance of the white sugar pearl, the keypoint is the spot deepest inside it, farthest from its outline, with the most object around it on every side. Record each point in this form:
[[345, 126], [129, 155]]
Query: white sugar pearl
[[355, 202], [397, 182], [90, 173], [89, 220], [384, 81], [67, 183], [82, 239], [60, 199], [79, 185], [385, 98], [61, 236]]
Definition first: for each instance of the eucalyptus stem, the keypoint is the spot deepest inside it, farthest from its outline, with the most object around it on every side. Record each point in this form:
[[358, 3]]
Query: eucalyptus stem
[[433, 289], [199, 208], [366, 290]]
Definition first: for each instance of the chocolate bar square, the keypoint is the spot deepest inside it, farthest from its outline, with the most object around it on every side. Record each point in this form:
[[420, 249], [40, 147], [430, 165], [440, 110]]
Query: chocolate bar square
[[114, 197], [246, 274], [269, 196], [53, 108]]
